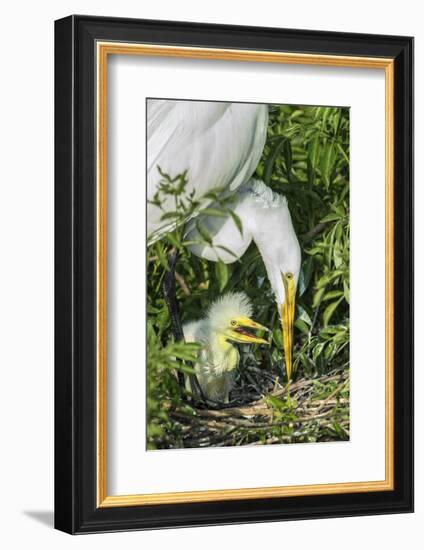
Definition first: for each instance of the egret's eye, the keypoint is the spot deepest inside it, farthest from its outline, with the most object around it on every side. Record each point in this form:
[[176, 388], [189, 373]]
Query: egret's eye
[[233, 322], [289, 275]]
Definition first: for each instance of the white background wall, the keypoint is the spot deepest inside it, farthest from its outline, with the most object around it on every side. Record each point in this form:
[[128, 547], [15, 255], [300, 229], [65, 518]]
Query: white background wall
[[26, 273]]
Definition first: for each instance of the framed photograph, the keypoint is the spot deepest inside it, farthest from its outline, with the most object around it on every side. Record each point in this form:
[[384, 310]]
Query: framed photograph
[[234, 274]]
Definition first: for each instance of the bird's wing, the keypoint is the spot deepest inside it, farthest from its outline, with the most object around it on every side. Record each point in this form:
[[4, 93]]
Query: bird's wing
[[217, 144]]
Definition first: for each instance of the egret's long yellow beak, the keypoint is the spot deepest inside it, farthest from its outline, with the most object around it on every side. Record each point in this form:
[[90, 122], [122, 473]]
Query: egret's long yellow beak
[[237, 333], [287, 319]]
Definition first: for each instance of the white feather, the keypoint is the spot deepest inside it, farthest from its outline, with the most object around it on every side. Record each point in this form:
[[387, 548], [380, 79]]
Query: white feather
[[266, 220], [218, 144]]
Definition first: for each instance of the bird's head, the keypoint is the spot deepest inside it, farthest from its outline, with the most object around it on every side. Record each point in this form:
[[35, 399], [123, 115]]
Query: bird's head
[[229, 316]]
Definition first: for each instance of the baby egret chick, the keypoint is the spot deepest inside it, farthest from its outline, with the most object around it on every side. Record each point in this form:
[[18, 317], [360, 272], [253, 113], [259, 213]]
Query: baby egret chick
[[226, 322]]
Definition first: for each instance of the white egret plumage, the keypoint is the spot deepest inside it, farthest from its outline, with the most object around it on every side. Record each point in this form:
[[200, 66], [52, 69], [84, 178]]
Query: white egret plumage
[[226, 323], [219, 145]]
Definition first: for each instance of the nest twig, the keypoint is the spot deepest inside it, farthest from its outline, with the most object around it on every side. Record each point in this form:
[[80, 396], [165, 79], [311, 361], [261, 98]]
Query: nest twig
[[308, 410]]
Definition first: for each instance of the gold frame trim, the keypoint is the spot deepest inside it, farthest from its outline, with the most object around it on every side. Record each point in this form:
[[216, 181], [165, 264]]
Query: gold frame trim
[[104, 49]]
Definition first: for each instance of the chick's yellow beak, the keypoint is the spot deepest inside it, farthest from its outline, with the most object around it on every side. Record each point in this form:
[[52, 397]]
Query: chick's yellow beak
[[287, 319], [238, 332]]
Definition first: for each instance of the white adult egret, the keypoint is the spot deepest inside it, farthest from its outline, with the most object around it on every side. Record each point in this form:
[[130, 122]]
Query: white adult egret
[[226, 322], [219, 146]]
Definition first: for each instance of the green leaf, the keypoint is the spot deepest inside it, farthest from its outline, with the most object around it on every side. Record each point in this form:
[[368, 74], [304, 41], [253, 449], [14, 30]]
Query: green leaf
[[346, 292], [237, 221], [216, 212], [227, 250], [329, 311], [222, 275], [318, 350], [186, 369], [338, 254], [328, 277], [305, 275], [338, 209], [204, 233], [163, 259], [297, 113], [332, 294], [336, 120], [330, 350], [270, 161], [302, 326], [313, 153], [288, 158], [169, 216], [184, 351], [330, 218], [277, 336], [304, 359], [328, 161], [274, 402], [303, 315], [172, 239], [342, 151], [318, 296]]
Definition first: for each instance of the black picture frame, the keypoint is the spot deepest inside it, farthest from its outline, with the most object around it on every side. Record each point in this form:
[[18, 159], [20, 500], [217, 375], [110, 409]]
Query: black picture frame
[[76, 510]]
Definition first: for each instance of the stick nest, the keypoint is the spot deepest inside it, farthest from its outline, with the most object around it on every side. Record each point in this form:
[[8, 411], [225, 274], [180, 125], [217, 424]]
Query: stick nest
[[264, 411]]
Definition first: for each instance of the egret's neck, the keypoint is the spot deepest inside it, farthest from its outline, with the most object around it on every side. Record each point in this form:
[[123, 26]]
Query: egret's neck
[[225, 355], [274, 271], [221, 346], [266, 216]]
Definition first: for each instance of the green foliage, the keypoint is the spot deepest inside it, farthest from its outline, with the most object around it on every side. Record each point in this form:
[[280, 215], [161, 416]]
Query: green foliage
[[163, 391], [306, 158]]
